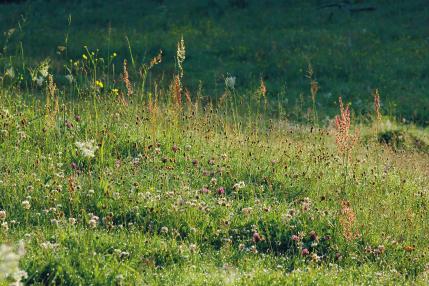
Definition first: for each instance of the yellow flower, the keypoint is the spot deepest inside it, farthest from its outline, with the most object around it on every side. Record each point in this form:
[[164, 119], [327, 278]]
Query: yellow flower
[[84, 57], [115, 91], [99, 84], [114, 55]]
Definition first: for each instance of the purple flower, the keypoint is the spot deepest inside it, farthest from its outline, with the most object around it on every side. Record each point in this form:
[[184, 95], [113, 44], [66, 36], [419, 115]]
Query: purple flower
[[73, 166], [305, 252], [221, 191], [313, 235], [256, 237]]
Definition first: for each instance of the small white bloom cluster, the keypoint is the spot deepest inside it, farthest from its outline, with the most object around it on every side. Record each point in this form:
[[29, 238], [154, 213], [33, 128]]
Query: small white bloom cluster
[[93, 221], [9, 263], [230, 82], [87, 148], [239, 186]]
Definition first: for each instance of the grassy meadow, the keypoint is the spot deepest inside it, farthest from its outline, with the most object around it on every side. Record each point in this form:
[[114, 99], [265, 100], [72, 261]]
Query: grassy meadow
[[214, 143]]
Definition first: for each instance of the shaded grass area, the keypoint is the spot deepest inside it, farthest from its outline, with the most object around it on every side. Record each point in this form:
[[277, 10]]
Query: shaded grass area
[[351, 53]]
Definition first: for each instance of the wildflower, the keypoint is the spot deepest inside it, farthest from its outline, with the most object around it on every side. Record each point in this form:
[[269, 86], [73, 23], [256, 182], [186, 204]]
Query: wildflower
[[306, 204], [72, 221], [87, 148], [93, 222], [305, 252], [114, 54], [174, 148], [313, 235], [347, 221], [74, 166], [239, 185], [345, 141], [315, 257], [49, 245], [5, 226], [181, 55], [84, 57], [295, 238], [9, 263], [26, 205], [338, 256], [2, 215], [230, 82], [164, 230], [221, 191], [256, 237], [99, 84], [247, 211], [379, 250], [115, 91], [193, 247]]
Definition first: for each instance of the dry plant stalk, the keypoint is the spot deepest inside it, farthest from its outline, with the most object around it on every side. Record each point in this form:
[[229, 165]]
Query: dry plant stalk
[[344, 139], [176, 90], [156, 60], [314, 88], [188, 97], [347, 221], [126, 80], [51, 95], [263, 88], [376, 96]]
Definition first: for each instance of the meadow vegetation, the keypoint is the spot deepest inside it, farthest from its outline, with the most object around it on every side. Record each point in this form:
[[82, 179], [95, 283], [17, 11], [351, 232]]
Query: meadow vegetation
[[122, 169]]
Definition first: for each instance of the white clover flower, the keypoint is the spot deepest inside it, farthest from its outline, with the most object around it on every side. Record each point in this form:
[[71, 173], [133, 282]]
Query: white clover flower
[[87, 148], [238, 186], [9, 263], [230, 82], [92, 223], [26, 205], [5, 226]]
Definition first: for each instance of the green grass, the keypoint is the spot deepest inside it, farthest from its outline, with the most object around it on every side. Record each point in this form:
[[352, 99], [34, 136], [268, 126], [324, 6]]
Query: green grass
[[227, 187], [156, 224], [351, 53]]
